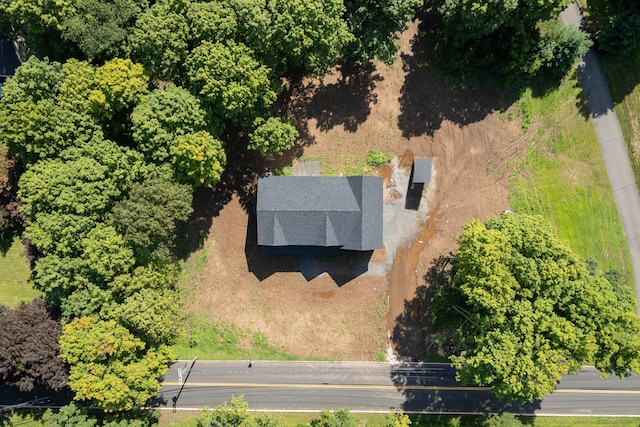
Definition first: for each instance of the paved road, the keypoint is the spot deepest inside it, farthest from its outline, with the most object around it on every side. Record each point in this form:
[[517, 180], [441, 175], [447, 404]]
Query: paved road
[[366, 386], [612, 145]]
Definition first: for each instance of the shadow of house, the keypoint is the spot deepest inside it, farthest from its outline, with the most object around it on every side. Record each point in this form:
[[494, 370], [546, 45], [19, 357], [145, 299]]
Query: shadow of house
[[315, 225]]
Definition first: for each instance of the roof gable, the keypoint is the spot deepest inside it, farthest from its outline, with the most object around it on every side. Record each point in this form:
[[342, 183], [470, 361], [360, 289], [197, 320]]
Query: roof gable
[[320, 211]]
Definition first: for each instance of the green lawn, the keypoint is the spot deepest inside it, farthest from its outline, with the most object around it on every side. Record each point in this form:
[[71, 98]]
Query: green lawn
[[14, 286], [563, 179]]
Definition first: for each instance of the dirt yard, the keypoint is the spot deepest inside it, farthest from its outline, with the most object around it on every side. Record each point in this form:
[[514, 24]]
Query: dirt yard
[[336, 315]]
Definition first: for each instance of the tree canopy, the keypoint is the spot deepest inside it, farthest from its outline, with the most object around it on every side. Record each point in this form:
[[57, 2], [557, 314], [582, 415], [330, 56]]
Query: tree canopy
[[504, 38], [527, 310], [109, 365], [29, 348]]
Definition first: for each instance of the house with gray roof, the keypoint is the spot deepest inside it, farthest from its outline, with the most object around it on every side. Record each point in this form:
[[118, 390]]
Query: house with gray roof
[[9, 60], [322, 211]]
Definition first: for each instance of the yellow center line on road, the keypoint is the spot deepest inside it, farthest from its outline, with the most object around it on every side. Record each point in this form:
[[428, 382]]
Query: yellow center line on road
[[387, 387], [332, 386]]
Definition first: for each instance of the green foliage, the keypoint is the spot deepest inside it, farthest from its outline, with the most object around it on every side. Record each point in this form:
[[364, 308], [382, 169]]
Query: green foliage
[[531, 311], [121, 84], [377, 158], [213, 21], [160, 41], [504, 419], [306, 33], [273, 135], [502, 40], [147, 217], [375, 25], [339, 418], [165, 114], [397, 419], [110, 366], [561, 47], [151, 314], [34, 80], [230, 81], [620, 34], [198, 158], [83, 181], [73, 415], [100, 27]]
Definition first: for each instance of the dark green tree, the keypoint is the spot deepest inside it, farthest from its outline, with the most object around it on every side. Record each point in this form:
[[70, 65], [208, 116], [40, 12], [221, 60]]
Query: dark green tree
[[527, 311], [375, 25], [147, 217], [100, 27]]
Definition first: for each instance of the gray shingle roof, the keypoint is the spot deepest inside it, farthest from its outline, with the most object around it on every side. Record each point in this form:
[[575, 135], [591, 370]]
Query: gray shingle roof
[[9, 59], [320, 211], [421, 171]]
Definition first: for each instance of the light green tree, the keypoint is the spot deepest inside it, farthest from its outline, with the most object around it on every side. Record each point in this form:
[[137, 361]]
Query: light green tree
[[273, 135], [338, 418], [120, 85], [527, 311], [160, 40], [198, 158], [109, 366]]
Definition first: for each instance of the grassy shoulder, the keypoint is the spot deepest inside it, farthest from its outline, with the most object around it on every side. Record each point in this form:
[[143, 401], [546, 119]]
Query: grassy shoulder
[[14, 285], [623, 76], [563, 178], [295, 419]]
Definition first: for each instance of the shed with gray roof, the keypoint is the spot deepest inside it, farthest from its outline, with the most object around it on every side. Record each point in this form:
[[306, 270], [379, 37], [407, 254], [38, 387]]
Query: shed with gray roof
[[421, 171], [343, 212]]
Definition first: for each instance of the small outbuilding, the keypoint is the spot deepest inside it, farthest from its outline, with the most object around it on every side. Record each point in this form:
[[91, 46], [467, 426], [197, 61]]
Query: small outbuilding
[[421, 173], [320, 211]]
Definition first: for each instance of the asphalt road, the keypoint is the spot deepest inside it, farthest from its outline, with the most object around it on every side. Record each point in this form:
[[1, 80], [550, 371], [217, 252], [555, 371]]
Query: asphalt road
[[367, 386], [612, 144]]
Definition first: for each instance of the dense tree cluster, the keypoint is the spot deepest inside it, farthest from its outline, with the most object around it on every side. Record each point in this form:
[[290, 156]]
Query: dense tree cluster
[[527, 310], [620, 31], [508, 40]]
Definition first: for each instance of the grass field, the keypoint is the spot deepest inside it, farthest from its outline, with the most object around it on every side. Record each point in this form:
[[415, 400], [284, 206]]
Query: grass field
[[14, 286], [563, 179], [377, 420]]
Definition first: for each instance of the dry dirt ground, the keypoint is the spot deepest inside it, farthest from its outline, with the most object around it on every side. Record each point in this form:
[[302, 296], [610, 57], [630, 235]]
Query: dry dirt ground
[[340, 315]]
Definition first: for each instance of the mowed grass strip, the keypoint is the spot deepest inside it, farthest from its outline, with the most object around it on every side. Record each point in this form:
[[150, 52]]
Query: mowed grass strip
[[14, 285], [563, 178]]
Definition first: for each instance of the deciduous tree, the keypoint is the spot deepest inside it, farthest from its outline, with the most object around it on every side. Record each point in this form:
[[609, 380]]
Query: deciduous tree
[[110, 366], [375, 25], [29, 348], [198, 159], [230, 80], [527, 311], [147, 217], [273, 135]]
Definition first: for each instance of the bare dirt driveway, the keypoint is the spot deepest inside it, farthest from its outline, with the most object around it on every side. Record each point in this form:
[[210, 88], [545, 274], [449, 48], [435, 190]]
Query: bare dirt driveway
[[341, 315]]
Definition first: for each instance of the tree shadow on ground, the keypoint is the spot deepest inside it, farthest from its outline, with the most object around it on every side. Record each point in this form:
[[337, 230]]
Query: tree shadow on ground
[[239, 177], [341, 265], [426, 100], [346, 103]]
